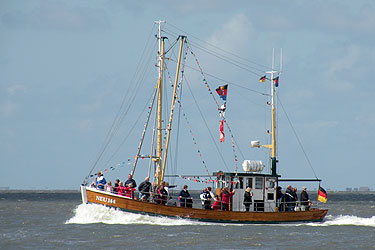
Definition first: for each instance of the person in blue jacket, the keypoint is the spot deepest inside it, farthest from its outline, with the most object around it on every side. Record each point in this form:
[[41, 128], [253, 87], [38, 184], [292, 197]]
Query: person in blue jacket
[[100, 181]]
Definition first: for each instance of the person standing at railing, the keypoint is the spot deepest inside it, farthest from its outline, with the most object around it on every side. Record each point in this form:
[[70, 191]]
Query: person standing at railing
[[295, 199], [304, 199], [248, 199], [205, 198], [162, 195], [211, 194], [217, 203], [120, 189], [100, 181], [130, 180], [225, 198], [129, 191], [144, 189], [184, 196], [289, 198], [280, 199], [108, 187]]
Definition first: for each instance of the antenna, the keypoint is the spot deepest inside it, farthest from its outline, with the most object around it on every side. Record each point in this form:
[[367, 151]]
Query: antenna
[[281, 61]]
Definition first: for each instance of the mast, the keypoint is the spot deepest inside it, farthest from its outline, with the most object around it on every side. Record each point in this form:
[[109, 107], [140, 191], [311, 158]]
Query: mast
[[159, 142], [273, 119], [172, 109], [273, 144], [274, 127]]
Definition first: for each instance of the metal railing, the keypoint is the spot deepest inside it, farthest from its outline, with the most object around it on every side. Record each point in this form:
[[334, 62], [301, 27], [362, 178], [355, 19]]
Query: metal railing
[[192, 202]]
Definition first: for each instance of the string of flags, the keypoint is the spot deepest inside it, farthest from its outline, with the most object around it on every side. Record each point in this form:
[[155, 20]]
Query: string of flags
[[223, 93], [114, 167], [206, 180]]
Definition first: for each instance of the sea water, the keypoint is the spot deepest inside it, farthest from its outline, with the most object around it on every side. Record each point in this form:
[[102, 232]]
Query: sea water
[[58, 220]]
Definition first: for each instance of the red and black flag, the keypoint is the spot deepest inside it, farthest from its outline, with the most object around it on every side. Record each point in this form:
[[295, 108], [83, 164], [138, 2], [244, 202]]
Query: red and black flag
[[322, 195], [276, 81], [262, 79], [222, 91], [222, 136]]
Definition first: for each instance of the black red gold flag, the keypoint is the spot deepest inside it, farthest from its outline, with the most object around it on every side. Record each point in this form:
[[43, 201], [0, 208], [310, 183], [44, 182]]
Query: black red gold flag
[[262, 79], [322, 195]]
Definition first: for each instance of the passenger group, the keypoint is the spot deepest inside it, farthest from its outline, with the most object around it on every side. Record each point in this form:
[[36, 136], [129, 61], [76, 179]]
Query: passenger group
[[287, 201]]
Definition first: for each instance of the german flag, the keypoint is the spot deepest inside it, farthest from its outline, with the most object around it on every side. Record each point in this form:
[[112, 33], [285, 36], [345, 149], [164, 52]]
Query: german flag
[[322, 195], [262, 79]]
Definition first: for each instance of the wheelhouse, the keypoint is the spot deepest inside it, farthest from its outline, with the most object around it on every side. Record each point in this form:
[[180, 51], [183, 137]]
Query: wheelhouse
[[263, 188]]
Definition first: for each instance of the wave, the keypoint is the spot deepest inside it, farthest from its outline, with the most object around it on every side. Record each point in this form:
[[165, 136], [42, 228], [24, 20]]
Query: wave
[[93, 213], [346, 220]]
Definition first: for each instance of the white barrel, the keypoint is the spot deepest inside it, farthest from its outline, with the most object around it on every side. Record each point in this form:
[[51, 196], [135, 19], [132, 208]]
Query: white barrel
[[252, 166]]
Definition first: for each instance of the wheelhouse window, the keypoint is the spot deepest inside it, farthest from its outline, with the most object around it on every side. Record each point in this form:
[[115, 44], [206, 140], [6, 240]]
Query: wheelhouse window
[[249, 182], [258, 183], [239, 183], [270, 196]]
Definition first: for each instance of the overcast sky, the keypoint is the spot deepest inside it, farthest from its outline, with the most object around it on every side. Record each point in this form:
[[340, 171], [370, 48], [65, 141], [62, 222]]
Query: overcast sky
[[65, 66]]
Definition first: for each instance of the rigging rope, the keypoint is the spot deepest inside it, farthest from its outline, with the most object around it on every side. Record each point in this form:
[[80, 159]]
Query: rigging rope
[[227, 81], [144, 131], [193, 137], [296, 135], [118, 118], [228, 52]]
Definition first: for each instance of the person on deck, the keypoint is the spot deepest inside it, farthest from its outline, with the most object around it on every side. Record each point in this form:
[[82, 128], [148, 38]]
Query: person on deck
[[289, 198], [211, 193], [247, 199], [295, 198], [205, 198], [184, 197], [117, 181], [304, 199], [280, 199], [162, 195], [121, 189], [129, 191], [225, 198], [100, 181], [130, 180], [108, 187], [217, 203], [144, 189]]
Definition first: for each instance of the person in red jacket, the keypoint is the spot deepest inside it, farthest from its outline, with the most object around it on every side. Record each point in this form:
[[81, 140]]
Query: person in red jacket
[[121, 188], [129, 191], [217, 203], [225, 198]]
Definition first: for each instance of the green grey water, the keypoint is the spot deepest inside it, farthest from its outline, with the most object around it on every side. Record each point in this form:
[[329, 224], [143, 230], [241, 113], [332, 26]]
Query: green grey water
[[58, 220]]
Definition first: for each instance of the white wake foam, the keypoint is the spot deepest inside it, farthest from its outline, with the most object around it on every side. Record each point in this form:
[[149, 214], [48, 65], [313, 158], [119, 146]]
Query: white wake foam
[[92, 213], [346, 220]]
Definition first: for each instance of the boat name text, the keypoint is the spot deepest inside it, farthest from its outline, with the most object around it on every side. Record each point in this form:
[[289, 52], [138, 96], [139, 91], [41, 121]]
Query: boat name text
[[105, 199]]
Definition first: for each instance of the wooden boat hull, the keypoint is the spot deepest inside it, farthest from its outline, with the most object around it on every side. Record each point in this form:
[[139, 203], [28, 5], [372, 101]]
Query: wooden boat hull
[[112, 200]]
